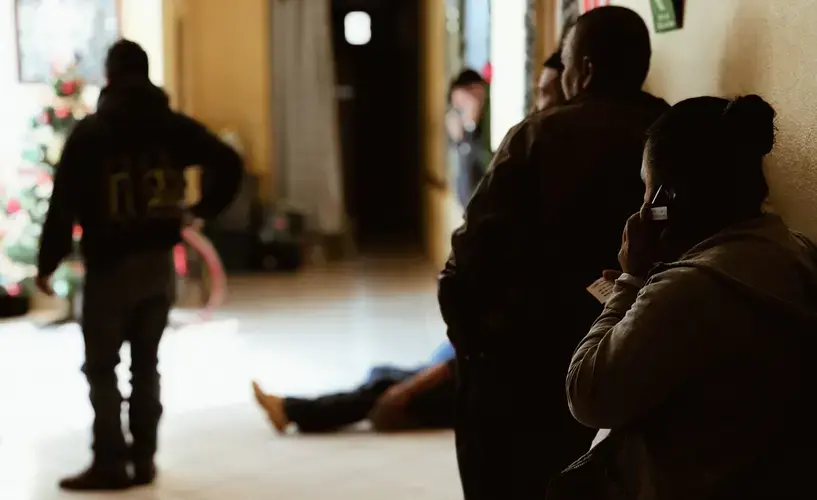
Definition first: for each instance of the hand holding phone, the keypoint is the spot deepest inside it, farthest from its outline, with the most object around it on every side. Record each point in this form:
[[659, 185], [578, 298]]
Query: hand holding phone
[[640, 244], [659, 206]]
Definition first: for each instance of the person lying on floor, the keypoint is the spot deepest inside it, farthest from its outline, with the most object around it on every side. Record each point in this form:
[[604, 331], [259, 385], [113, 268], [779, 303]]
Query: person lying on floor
[[391, 398]]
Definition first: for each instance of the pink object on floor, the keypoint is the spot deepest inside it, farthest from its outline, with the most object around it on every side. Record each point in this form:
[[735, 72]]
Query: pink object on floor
[[218, 279]]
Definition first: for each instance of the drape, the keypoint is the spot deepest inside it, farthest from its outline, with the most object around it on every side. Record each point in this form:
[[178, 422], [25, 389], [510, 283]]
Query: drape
[[305, 118]]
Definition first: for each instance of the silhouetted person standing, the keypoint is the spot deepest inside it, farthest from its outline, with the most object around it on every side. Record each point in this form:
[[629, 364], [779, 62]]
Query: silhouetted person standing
[[543, 223], [121, 177]]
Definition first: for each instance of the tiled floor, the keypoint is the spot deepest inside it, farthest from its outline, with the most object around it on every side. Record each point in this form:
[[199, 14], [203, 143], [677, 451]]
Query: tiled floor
[[300, 334]]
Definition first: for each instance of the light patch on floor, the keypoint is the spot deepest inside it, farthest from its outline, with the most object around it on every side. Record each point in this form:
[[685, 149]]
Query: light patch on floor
[[301, 334]]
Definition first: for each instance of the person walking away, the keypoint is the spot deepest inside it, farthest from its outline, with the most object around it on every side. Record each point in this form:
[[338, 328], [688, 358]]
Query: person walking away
[[469, 130], [702, 367], [543, 222], [121, 177]]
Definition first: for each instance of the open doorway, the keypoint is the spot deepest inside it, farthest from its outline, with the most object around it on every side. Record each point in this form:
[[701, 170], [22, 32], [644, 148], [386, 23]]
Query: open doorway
[[376, 44]]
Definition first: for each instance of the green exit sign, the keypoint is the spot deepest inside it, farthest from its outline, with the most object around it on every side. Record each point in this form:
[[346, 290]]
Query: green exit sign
[[667, 15]]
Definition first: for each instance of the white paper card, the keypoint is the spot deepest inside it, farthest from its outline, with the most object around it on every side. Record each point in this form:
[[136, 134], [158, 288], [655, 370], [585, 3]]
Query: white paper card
[[601, 289], [659, 213]]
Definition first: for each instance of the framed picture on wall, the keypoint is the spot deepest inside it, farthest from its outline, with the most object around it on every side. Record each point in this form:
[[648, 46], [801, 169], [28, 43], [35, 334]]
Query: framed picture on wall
[[50, 32]]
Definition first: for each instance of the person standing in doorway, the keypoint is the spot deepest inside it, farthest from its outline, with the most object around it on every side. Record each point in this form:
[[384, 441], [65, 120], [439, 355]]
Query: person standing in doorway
[[468, 129], [544, 221], [121, 177]]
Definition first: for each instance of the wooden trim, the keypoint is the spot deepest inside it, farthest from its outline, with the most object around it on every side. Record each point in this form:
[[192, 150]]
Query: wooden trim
[[435, 52], [549, 28], [179, 74], [540, 50]]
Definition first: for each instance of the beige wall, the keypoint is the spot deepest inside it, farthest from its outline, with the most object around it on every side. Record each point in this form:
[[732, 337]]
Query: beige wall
[[437, 201], [730, 47], [219, 69]]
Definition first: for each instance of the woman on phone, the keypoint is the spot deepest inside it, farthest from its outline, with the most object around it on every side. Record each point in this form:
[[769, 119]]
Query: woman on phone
[[700, 365]]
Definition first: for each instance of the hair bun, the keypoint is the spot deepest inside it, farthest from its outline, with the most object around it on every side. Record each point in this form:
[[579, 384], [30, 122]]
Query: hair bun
[[750, 120]]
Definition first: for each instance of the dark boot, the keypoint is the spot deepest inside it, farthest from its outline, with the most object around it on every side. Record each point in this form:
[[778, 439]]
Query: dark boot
[[99, 477], [144, 472]]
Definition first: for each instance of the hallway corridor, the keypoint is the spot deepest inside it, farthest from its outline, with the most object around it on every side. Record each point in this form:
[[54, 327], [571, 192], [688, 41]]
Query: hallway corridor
[[300, 334]]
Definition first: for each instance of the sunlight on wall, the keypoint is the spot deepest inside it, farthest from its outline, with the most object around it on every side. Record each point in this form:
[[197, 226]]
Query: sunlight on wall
[[733, 47], [227, 83], [142, 23], [508, 49]]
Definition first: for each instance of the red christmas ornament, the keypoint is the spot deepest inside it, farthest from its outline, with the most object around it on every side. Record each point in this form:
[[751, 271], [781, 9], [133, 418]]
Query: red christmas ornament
[[77, 232], [12, 207], [487, 72], [69, 87], [13, 290], [62, 113]]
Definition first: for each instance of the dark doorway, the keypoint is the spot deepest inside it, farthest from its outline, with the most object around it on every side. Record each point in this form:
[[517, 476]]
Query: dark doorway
[[378, 96]]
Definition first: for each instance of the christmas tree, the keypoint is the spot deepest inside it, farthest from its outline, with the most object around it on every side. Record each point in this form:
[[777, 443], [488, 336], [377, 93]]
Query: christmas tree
[[24, 200]]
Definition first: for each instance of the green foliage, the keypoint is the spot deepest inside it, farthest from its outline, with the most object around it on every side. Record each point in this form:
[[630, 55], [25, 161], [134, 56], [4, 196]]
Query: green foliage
[[24, 205]]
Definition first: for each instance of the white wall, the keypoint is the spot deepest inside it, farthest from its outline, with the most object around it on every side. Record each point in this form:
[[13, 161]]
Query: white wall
[[508, 53]]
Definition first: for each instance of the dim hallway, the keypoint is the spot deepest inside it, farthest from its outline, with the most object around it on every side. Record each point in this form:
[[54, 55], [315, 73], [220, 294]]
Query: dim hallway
[[302, 334]]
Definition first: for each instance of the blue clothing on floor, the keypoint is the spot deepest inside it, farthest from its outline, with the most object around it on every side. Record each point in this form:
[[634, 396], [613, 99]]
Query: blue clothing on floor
[[443, 354]]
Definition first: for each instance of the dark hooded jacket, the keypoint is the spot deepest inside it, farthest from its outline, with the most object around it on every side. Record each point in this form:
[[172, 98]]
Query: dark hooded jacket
[[121, 177], [545, 221]]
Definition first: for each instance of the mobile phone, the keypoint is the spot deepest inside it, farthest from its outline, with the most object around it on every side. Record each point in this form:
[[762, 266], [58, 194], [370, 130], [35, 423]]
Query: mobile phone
[[659, 206]]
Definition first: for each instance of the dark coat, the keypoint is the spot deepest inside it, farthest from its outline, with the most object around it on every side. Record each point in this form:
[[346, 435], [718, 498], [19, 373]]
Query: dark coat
[[543, 224], [545, 221], [121, 177]]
